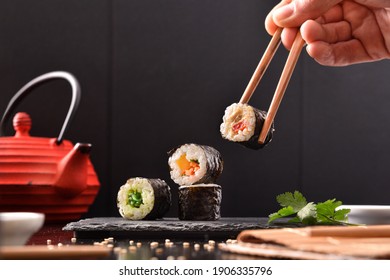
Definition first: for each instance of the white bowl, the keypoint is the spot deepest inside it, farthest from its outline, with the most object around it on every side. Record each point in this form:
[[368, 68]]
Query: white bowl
[[16, 228], [368, 214]]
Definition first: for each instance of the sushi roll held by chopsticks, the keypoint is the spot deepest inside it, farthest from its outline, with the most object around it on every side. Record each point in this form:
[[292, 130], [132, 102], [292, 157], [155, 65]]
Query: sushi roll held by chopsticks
[[242, 123], [144, 199], [194, 164]]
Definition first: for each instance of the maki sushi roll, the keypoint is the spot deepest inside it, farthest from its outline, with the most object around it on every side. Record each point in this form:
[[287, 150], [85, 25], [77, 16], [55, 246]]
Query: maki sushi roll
[[144, 199], [194, 164], [242, 123], [200, 202]]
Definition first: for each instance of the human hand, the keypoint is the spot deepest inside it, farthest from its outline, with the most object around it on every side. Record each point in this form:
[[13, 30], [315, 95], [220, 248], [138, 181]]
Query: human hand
[[337, 32]]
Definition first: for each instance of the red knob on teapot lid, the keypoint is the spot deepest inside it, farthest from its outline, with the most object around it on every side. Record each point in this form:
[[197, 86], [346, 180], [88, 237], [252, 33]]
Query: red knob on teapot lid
[[22, 124]]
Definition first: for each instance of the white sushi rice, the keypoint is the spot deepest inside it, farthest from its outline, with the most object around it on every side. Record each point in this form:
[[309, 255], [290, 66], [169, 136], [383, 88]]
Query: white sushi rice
[[234, 114], [142, 186], [192, 152]]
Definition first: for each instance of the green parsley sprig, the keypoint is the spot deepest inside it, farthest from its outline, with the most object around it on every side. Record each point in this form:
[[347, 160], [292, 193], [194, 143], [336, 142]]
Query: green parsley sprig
[[295, 206]]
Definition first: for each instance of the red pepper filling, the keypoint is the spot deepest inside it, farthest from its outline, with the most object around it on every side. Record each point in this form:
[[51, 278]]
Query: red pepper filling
[[239, 126]]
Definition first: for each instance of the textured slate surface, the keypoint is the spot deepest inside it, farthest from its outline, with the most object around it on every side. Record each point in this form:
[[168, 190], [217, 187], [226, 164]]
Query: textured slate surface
[[167, 227]]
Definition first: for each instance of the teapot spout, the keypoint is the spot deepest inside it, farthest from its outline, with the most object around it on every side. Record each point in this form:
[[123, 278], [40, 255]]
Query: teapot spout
[[72, 171]]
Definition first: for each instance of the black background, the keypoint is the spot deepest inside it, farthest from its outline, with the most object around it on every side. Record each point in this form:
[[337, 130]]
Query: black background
[[158, 74]]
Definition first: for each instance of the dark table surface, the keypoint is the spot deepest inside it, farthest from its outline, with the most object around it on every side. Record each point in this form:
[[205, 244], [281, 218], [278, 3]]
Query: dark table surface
[[162, 245]]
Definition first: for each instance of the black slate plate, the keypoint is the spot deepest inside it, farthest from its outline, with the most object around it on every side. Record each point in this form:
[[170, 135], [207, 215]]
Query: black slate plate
[[166, 228]]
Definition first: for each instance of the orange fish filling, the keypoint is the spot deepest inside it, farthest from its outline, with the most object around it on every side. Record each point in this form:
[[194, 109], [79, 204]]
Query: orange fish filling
[[187, 167]]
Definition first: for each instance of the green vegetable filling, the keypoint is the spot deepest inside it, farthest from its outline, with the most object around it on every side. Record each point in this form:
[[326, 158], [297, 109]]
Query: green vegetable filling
[[135, 199]]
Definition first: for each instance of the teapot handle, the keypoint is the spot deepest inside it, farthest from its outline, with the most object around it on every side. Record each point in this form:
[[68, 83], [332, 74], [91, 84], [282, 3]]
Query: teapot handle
[[76, 94]]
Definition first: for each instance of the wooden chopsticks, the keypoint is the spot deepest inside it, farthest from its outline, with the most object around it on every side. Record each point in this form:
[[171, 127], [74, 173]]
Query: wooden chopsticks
[[262, 67], [283, 81]]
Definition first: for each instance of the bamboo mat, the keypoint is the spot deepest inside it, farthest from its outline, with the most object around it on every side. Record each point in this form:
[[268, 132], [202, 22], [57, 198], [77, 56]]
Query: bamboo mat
[[319, 242]]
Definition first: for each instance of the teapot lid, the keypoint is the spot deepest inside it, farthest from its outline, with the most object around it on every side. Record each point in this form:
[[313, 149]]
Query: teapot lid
[[22, 125]]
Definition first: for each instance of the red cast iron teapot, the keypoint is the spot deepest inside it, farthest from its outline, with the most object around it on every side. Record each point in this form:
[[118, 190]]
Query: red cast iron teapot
[[46, 175]]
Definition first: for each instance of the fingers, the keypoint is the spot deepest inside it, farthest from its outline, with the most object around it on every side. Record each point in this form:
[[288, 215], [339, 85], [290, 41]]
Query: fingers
[[333, 14], [366, 29], [295, 13], [330, 33], [340, 54], [337, 32], [355, 38], [312, 31], [375, 3], [270, 25], [288, 36]]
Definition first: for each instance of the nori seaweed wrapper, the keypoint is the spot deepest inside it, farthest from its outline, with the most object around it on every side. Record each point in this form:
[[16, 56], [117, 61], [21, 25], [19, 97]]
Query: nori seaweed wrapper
[[200, 202], [214, 163], [162, 199], [253, 143]]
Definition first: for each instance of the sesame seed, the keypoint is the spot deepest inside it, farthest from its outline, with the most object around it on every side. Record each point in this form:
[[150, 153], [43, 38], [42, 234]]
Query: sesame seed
[[59, 244], [211, 242], [48, 242], [131, 242], [73, 240], [186, 244], [170, 258], [196, 247], [139, 244]]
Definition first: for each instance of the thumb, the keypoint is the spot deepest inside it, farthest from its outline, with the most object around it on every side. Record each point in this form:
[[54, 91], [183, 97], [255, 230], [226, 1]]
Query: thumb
[[298, 11]]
